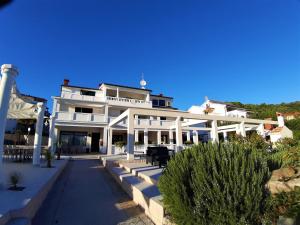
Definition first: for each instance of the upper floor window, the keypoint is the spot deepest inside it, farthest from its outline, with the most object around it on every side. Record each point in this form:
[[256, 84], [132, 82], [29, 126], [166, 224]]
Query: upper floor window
[[89, 93], [162, 102], [83, 110], [155, 102]]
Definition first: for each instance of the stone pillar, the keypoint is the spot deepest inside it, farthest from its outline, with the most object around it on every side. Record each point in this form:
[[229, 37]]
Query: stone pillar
[[37, 146], [109, 141], [225, 136], [159, 137], [237, 129], [178, 134], [195, 137], [214, 131], [130, 137], [188, 136], [104, 140], [242, 129], [9, 73], [136, 136]]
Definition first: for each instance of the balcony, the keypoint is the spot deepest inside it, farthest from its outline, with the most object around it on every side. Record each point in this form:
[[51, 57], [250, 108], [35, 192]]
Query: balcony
[[80, 117], [76, 96], [128, 102], [147, 123]]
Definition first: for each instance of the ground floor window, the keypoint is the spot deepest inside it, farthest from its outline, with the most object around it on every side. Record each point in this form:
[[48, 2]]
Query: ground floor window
[[73, 138]]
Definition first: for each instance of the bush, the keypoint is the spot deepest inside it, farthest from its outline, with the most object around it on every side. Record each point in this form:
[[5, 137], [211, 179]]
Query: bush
[[120, 144], [216, 184]]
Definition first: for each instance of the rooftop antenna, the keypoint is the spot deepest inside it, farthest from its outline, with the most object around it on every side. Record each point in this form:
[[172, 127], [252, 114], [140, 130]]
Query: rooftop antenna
[[143, 83]]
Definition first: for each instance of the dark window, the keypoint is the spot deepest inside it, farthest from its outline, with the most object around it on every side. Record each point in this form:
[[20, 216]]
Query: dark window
[[163, 118], [162, 103], [83, 110], [73, 138], [89, 93], [155, 102]]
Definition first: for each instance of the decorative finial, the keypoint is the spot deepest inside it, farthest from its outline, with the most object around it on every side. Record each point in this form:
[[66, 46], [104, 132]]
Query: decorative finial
[[143, 83]]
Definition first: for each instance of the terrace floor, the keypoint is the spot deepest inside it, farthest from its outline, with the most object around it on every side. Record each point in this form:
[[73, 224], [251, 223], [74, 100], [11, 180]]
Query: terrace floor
[[86, 194]]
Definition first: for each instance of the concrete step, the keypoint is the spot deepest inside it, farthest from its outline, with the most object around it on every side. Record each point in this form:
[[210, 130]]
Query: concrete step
[[142, 192]]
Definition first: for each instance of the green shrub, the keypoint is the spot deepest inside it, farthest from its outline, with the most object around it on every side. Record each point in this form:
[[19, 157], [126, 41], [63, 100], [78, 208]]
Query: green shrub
[[120, 144], [216, 184]]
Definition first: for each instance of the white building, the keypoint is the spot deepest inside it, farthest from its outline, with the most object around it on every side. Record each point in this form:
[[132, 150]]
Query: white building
[[96, 119]]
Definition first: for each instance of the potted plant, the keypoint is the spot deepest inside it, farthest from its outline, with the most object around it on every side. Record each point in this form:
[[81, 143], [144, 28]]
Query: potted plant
[[120, 144], [14, 180]]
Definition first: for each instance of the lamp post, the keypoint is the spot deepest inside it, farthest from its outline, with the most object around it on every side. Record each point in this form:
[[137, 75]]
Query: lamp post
[[29, 129]]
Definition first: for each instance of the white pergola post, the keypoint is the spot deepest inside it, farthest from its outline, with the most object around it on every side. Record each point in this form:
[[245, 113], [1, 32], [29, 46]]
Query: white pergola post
[[214, 131], [225, 136], [171, 139], [9, 72], [159, 137], [195, 137], [178, 134], [130, 137], [52, 137], [261, 130], [242, 129], [146, 138], [109, 141], [37, 146], [136, 136], [188, 136], [237, 129], [104, 140]]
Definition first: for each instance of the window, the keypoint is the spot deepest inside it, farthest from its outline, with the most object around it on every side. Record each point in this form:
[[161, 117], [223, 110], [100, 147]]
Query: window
[[89, 93], [162, 103], [155, 102], [83, 110], [163, 118], [73, 138]]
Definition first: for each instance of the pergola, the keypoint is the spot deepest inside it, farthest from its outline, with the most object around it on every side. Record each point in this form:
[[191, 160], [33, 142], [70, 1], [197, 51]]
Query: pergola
[[14, 105], [184, 121]]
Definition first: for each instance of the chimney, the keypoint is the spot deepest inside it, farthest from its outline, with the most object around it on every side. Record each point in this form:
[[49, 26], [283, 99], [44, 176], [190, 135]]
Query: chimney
[[280, 119], [268, 126], [66, 82]]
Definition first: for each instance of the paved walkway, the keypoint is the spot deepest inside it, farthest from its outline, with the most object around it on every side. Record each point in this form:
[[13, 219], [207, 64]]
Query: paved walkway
[[85, 194]]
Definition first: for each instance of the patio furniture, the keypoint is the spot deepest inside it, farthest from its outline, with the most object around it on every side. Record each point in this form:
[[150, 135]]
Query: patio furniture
[[157, 155]]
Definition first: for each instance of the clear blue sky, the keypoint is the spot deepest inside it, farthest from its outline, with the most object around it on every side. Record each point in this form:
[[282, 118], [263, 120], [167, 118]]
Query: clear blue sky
[[231, 50]]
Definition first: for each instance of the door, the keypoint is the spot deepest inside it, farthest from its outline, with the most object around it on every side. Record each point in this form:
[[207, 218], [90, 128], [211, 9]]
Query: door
[[95, 142]]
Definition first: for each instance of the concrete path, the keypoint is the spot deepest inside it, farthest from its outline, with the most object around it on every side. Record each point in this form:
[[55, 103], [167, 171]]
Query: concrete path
[[85, 194]]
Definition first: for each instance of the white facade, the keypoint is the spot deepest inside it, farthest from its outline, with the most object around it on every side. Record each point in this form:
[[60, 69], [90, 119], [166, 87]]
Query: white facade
[[279, 133], [101, 119]]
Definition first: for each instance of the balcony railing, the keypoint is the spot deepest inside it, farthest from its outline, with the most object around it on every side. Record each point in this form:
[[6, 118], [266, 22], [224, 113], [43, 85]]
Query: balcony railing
[[155, 123], [81, 117], [128, 102], [76, 96]]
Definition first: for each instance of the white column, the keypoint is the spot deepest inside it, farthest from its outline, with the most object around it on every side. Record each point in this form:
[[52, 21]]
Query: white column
[[171, 139], [242, 129], [37, 146], [146, 139], [237, 129], [136, 136], [9, 72], [130, 137], [118, 94], [261, 130], [280, 120], [104, 140], [148, 97], [178, 134], [214, 131], [106, 112], [195, 137], [225, 136], [188, 136], [158, 137], [109, 141], [52, 138]]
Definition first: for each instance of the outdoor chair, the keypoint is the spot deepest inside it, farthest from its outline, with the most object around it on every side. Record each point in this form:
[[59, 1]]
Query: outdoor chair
[[157, 155]]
